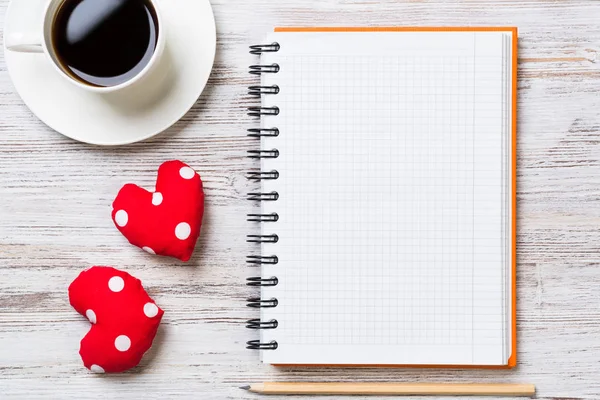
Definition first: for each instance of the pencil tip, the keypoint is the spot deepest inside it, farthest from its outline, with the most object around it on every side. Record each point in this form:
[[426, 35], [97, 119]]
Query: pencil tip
[[247, 387]]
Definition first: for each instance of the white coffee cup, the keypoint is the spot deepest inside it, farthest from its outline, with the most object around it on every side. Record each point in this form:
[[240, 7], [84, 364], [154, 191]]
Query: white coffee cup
[[37, 38]]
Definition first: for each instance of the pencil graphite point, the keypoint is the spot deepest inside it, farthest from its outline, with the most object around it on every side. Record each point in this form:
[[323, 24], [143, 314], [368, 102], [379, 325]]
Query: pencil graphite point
[[247, 387]]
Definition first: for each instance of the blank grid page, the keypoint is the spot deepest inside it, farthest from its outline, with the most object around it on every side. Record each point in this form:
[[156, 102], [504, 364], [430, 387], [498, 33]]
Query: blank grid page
[[393, 181]]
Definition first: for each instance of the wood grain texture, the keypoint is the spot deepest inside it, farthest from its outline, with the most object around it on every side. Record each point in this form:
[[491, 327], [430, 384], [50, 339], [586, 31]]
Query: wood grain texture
[[55, 197]]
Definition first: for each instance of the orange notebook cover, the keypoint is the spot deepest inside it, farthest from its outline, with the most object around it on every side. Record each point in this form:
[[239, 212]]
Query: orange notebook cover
[[268, 336]]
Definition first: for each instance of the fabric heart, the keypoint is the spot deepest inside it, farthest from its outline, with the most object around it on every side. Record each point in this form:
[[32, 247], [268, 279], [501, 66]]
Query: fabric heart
[[124, 318], [168, 221]]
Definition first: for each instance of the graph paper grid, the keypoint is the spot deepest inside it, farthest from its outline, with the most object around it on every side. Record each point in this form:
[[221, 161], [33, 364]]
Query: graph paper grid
[[392, 199]]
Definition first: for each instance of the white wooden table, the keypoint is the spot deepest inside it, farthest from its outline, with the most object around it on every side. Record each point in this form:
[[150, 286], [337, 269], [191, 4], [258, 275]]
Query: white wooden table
[[55, 197]]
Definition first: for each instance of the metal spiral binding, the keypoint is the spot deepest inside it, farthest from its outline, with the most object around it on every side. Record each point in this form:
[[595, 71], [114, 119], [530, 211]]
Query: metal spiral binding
[[273, 196], [273, 217], [263, 132], [259, 111], [262, 176], [257, 302], [264, 282], [260, 90], [264, 69], [263, 153], [258, 324], [262, 238], [257, 345], [264, 48], [272, 260], [258, 176]]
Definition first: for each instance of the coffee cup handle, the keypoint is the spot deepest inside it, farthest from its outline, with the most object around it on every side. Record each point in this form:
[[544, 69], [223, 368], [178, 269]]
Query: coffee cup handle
[[24, 43]]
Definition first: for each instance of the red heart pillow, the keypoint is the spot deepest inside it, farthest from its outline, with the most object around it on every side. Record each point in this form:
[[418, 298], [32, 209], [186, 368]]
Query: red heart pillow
[[124, 318], [166, 222]]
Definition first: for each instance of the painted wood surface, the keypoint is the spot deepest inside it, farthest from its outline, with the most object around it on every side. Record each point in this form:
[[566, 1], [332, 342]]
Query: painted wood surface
[[55, 197]]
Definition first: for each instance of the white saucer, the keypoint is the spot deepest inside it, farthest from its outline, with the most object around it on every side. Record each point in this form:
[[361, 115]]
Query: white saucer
[[137, 113]]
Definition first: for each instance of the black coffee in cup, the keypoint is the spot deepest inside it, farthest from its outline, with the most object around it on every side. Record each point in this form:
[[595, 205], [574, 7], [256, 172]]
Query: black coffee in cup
[[105, 42]]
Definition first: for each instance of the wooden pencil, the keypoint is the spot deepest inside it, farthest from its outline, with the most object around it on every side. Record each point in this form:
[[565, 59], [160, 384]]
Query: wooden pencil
[[376, 388]]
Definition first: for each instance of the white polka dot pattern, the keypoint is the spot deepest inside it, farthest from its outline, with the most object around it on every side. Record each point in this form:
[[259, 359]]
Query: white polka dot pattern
[[165, 220], [91, 315], [183, 231], [150, 310], [116, 283], [121, 218], [148, 250], [123, 317], [187, 172], [122, 343], [157, 198], [96, 369]]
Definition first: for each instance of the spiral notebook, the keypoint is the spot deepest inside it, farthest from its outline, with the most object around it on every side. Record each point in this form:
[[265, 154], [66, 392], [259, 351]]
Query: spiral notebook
[[387, 197]]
